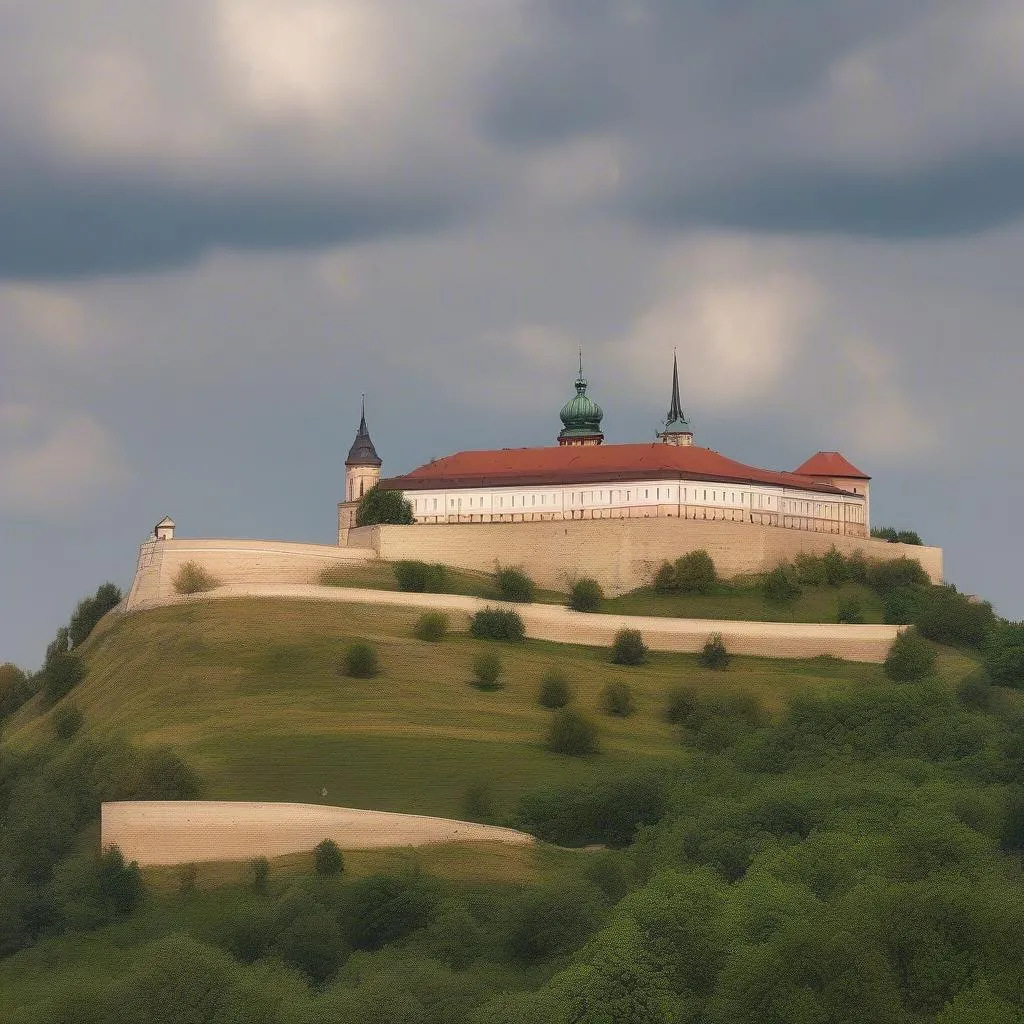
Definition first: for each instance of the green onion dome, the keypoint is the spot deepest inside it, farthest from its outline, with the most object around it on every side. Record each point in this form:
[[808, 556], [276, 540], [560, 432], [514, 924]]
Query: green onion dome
[[581, 416]]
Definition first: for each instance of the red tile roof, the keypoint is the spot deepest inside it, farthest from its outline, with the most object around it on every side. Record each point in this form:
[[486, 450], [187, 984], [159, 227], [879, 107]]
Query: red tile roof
[[592, 464], [830, 464]]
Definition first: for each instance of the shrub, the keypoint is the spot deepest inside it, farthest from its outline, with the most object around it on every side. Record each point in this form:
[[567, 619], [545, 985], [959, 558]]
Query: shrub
[[327, 859], [586, 596], [259, 874], [781, 585], [681, 705], [432, 627], [487, 671], [948, 617], [377, 506], [975, 690], [551, 920], [15, 688], [911, 657], [714, 655], [360, 661], [695, 573], [850, 610], [892, 573], [479, 803], [497, 624], [90, 610], [312, 943], [884, 533], [192, 578], [903, 605], [857, 567], [810, 569], [61, 674], [908, 537], [1003, 655], [617, 699], [67, 720], [629, 648], [421, 577], [717, 721], [514, 585], [835, 567], [554, 690], [572, 733], [381, 909], [665, 578]]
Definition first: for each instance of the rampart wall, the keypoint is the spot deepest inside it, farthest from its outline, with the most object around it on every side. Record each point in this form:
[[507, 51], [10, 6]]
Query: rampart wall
[[621, 554], [232, 561]]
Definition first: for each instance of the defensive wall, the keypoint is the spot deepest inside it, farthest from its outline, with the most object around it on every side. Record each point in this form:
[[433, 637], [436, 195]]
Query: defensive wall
[[153, 832], [621, 554], [232, 561]]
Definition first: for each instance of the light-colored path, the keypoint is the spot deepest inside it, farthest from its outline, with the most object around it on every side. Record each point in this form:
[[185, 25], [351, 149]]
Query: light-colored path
[[193, 831], [553, 622]]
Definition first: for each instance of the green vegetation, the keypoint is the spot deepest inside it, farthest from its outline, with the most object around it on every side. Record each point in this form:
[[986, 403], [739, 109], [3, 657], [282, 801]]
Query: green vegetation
[[895, 536], [432, 627], [911, 657], [782, 584], [327, 859], [586, 595], [572, 732], [714, 655], [487, 668], [192, 578], [514, 585], [361, 661], [555, 691], [421, 577], [382, 507], [67, 720], [693, 573], [16, 686], [628, 648], [617, 699], [498, 624]]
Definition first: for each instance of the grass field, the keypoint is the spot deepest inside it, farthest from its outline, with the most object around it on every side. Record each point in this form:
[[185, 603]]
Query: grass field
[[249, 692], [815, 604]]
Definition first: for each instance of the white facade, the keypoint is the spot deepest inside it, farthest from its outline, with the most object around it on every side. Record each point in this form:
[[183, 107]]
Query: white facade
[[692, 499]]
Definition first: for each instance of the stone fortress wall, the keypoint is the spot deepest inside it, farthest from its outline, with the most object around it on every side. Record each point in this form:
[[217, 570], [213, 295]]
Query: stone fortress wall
[[620, 554]]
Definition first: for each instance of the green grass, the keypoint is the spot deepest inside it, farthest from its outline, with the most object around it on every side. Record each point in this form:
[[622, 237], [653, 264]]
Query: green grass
[[248, 692], [815, 604], [379, 575]]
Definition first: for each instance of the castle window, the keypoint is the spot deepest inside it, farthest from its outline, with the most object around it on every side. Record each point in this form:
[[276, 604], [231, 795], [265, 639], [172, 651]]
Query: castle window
[[435, 504], [543, 499], [705, 494], [470, 502], [647, 492], [629, 495]]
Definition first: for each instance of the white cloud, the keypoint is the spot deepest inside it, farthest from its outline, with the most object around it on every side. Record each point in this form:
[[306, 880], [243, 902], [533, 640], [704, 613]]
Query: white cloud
[[72, 462], [45, 315]]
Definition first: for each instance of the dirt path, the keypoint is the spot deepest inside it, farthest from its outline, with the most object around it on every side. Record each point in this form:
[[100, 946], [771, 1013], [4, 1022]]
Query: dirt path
[[868, 643], [193, 831]]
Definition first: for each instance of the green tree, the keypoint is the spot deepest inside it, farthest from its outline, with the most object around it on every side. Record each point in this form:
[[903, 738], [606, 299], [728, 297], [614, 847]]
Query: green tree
[[378, 506], [850, 610], [514, 585], [665, 578], [714, 655], [1003, 655], [572, 733], [327, 858], [432, 627], [586, 596], [313, 944], [555, 691], [628, 648], [90, 610], [617, 699], [360, 661], [497, 624], [15, 688], [1011, 833], [695, 573], [781, 584], [67, 720], [910, 657], [487, 669], [978, 1005]]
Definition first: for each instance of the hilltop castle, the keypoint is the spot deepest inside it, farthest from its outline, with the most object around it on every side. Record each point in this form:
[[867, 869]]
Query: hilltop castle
[[584, 478]]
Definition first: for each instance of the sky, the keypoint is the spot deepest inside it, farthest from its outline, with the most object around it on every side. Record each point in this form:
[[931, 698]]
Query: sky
[[222, 221]]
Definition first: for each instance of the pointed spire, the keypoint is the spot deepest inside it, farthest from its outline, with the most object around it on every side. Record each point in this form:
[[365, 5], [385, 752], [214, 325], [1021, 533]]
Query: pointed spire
[[677, 428], [362, 452], [675, 409], [362, 431]]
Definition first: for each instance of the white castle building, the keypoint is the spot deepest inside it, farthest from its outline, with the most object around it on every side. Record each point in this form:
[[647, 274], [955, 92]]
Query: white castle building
[[583, 478]]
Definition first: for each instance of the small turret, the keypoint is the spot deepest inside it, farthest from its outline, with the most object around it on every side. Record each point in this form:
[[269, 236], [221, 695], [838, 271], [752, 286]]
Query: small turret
[[164, 530], [581, 416], [362, 467], [677, 428]]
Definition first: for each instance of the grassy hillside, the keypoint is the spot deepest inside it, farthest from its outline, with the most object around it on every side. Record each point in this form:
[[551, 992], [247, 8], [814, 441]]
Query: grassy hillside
[[249, 692]]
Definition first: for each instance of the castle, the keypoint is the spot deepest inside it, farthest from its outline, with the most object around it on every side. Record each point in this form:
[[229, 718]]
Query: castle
[[583, 478]]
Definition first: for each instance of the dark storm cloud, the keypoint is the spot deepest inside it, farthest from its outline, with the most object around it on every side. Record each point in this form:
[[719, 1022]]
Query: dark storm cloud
[[63, 227]]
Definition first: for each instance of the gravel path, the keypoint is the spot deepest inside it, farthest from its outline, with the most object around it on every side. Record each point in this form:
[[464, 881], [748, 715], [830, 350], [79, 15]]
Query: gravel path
[[868, 643], [193, 831]]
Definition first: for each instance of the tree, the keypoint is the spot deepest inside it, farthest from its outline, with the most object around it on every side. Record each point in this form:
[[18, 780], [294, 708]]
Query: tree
[[910, 657], [432, 627], [328, 859], [781, 585], [714, 655], [67, 720], [514, 585], [628, 648], [617, 699], [1011, 835], [360, 662], [497, 624], [1004, 655], [695, 573], [586, 596], [554, 690], [572, 733], [487, 671], [15, 688], [850, 610], [90, 610], [61, 674], [379, 506]]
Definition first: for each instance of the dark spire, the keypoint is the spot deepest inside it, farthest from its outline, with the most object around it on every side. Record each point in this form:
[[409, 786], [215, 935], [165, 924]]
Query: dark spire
[[362, 452], [675, 409]]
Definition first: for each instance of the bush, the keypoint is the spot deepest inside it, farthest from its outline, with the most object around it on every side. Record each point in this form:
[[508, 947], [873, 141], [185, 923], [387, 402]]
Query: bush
[[67, 720], [432, 627], [665, 578], [514, 585], [948, 617], [695, 573], [192, 578], [1003, 655], [360, 661], [259, 874], [617, 699], [975, 690], [835, 567], [554, 690], [908, 537], [586, 596], [90, 610], [61, 674], [328, 859], [552, 920], [911, 657], [381, 909], [884, 577], [850, 610], [629, 648], [895, 536], [810, 569], [377, 507], [15, 688], [714, 655], [420, 577], [719, 720], [781, 584], [479, 803], [497, 624], [487, 671], [681, 705], [572, 733], [903, 605], [857, 567]]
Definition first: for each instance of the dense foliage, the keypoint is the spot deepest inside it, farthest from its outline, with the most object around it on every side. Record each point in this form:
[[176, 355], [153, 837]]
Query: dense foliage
[[713, 654], [421, 577], [497, 624], [487, 669], [628, 648], [895, 536], [572, 732], [193, 578], [432, 627], [555, 691], [360, 661], [617, 699], [586, 595], [514, 585], [90, 610], [379, 507], [692, 573]]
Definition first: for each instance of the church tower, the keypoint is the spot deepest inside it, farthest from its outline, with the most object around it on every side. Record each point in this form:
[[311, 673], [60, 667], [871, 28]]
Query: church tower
[[677, 429], [362, 471], [581, 417]]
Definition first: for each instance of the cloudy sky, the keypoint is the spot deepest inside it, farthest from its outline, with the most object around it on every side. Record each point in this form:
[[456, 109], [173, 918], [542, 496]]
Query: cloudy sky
[[223, 220]]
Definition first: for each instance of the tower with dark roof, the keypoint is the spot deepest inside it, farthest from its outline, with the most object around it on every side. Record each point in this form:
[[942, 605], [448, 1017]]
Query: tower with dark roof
[[677, 428], [581, 416], [362, 467]]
